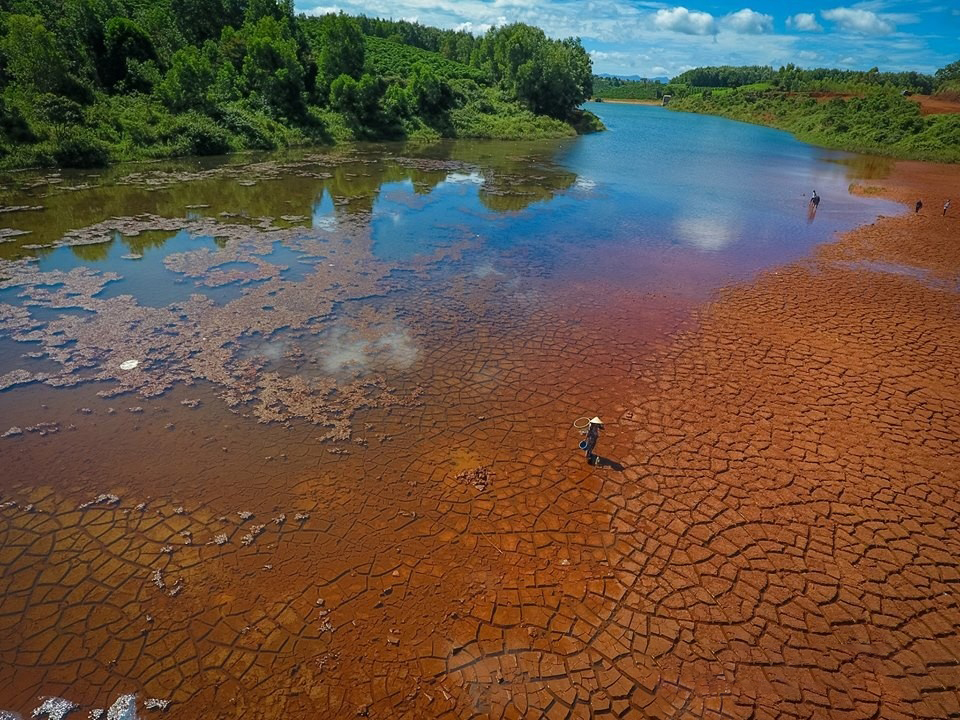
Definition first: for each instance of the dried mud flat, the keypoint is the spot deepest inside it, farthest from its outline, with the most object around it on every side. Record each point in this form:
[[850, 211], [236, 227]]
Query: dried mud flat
[[774, 532]]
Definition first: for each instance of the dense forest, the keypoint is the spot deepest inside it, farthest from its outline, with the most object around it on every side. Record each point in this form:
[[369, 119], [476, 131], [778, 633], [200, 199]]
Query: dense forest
[[866, 111], [89, 82]]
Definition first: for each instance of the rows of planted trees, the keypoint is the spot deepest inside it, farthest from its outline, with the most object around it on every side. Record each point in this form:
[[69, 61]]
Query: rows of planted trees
[[87, 82]]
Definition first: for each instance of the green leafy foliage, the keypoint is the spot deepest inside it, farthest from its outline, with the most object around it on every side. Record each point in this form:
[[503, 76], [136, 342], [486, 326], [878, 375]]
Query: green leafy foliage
[[619, 89], [881, 123], [80, 147], [551, 77], [31, 55], [794, 79], [271, 67], [431, 93], [948, 78], [391, 59], [195, 134], [187, 82], [341, 49], [124, 41], [59, 111], [97, 81]]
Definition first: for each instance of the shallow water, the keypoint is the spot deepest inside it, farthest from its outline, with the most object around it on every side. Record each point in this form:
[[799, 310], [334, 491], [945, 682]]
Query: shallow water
[[391, 315]]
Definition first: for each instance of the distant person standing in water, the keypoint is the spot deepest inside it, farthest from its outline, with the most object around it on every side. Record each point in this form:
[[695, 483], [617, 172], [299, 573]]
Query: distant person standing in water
[[593, 433], [919, 205], [946, 206], [815, 200]]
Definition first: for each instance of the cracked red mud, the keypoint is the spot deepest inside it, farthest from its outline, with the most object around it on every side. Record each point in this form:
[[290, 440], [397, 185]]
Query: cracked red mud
[[774, 533]]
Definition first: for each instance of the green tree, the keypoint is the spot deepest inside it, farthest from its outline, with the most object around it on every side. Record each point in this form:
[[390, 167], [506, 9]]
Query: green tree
[[948, 77], [397, 104], [201, 20], [124, 40], [431, 94], [59, 111], [345, 95], [279, 10], [370, 91], [31, 55], [187, 81], [551, 77], [271, 67], [341, 50]]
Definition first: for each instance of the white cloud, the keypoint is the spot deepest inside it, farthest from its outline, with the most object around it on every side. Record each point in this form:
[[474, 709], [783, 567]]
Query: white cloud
[[748, 22], [855, 20], [647, 38], [706, 233], [688, 22], [476, 28], [323, 10], [805, 22]]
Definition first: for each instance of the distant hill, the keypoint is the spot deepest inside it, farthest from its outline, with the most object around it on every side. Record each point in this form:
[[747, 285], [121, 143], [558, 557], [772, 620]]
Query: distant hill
[[661, 79], [613, 87]]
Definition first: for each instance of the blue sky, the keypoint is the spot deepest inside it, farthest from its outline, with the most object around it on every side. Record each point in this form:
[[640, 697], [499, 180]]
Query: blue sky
[[635, 37]]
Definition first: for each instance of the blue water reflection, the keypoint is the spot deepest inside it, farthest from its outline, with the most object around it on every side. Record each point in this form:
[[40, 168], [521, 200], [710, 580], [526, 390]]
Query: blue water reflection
[[702, 185]]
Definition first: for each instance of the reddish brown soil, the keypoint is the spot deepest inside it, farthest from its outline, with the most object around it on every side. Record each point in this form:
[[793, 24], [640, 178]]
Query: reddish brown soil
[[929, 104], [775, 532], [936, 105]]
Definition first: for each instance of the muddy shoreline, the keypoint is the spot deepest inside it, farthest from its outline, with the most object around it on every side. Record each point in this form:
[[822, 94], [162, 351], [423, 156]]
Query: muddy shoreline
[[803, 451], [775, 531], [627, 101]]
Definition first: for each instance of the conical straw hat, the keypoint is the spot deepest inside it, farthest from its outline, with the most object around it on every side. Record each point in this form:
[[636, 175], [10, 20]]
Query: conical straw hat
[[596, 421]]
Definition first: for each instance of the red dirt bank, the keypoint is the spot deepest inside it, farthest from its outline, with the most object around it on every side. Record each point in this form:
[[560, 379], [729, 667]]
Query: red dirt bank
[[799, 465]]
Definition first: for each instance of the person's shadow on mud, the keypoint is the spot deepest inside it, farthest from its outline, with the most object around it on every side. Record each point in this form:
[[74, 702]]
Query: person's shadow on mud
[[602, 462]]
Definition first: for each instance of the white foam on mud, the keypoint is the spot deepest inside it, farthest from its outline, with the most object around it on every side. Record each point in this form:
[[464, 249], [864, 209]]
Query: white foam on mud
[[125, 708], [55, 708]]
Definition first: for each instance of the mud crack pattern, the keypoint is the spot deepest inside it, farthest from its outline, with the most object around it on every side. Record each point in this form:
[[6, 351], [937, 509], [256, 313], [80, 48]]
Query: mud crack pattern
[[773, 531]]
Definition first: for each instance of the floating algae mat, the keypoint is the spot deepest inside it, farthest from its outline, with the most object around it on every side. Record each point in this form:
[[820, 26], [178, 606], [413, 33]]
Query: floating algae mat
[[240, 398]]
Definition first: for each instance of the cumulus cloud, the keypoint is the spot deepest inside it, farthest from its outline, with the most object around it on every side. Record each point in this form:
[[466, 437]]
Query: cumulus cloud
[[805, 22], [748, 22], [856, 20], [323, 10], [688, 22]]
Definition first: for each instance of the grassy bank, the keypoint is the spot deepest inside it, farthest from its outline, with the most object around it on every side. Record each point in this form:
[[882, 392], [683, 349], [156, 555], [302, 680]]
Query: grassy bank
[[880, 123]]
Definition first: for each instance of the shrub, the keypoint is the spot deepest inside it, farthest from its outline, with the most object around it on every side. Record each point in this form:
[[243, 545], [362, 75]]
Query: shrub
[[78, 147], [255, 130], [195, 134]]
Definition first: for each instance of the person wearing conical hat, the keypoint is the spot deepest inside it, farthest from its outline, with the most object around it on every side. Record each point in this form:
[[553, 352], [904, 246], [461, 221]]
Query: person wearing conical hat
[[593, 433]]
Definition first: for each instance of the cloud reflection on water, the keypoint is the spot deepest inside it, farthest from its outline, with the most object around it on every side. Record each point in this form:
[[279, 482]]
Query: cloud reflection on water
[[343, 351]]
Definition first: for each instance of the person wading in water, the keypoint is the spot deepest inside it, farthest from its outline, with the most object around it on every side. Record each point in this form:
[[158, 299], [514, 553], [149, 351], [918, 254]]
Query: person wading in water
[[593, 433]]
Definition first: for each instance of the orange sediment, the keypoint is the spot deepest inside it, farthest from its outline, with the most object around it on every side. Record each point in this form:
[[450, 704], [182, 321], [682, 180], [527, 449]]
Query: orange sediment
[[775, 532]]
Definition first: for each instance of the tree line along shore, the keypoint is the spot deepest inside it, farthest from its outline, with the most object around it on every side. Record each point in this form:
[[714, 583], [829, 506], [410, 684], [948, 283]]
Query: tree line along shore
[[861, 111], [86, 83]]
